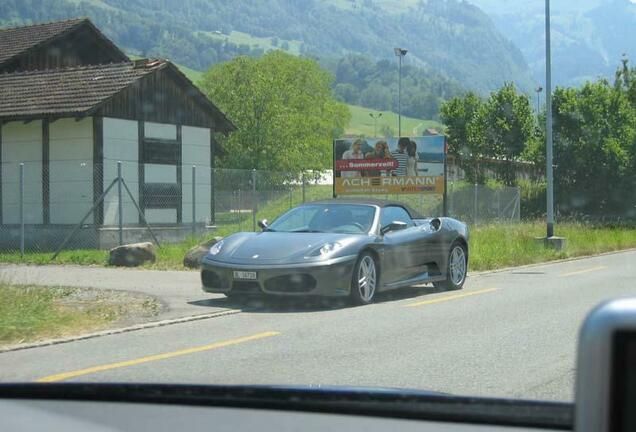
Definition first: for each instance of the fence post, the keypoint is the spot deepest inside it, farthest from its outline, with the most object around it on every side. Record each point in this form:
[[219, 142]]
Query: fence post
[[475, 204], [291, 189], [254, 207], [213, 199], [120, 206], [498, 192], [21, 209], [304, 183], [194, 201], [239, 210], [449, 202]]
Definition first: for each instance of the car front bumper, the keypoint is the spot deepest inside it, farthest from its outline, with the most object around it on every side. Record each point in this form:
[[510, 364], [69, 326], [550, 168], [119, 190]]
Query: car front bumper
[[324, 278]]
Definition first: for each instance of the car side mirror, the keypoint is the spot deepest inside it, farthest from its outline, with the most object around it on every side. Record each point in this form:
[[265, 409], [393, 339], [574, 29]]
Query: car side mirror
[[262, 224], [393, 226]]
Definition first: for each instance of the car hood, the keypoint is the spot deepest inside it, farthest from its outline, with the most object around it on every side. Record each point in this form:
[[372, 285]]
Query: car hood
[[277, 246]]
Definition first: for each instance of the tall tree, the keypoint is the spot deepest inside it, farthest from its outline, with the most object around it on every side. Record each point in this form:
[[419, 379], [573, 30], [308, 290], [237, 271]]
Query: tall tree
[[283, 108], [595, 150], [508, 126], [458, 114]]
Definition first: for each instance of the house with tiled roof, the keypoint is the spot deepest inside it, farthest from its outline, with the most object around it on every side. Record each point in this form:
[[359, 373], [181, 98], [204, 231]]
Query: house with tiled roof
[[72, 104]]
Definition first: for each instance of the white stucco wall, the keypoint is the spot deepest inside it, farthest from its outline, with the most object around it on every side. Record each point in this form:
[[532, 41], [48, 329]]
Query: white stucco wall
[[22, 143], [160, 131], [70, 170], [196, 151], [120, 143]]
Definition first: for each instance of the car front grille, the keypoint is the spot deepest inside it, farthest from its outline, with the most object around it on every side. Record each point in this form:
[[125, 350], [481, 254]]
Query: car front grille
[[294, 283], [212, 279], [246, 287]]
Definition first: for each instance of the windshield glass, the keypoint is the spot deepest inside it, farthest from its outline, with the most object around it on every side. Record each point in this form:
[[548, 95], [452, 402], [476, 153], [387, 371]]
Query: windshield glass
[[334, 218], [443, 207]]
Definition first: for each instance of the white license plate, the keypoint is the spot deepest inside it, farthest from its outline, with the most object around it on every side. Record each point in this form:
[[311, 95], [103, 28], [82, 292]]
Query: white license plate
[[246, 275]]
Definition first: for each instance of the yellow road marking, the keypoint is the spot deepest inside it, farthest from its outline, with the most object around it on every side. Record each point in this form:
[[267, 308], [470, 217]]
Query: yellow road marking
[[451, 297], [587, 270], [222, 344]]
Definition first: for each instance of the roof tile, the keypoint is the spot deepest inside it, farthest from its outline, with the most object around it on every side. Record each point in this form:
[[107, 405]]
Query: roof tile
[[65, 91], [15, 40]]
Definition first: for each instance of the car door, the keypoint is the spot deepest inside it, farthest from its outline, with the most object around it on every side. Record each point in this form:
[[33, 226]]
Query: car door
[[401, 260]]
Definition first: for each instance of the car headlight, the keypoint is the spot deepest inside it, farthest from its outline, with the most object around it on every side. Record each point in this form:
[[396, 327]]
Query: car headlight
[[216, 248], [328, 248]]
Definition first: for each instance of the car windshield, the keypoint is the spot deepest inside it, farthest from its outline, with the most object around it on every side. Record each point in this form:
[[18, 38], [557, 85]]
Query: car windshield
[[326, 218], [359, 193]]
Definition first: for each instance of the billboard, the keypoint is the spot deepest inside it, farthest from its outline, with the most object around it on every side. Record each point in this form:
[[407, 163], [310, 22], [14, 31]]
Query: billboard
[[389, 166]]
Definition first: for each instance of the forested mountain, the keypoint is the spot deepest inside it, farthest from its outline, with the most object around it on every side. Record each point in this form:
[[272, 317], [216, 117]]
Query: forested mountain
[[360, 80], [589, 36], [450, 37]]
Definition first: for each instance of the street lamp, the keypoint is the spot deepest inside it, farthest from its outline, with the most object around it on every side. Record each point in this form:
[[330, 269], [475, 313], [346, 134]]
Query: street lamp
[[375, 118], [539, 89], [400, 52]]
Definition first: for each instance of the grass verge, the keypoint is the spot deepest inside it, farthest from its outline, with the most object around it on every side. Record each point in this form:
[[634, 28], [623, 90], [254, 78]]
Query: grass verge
[[492, 246], [499, 245], [30, 313]]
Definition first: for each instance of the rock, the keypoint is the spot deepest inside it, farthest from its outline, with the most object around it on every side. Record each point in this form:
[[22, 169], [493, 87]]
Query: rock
[[194, 255], [132, 255]]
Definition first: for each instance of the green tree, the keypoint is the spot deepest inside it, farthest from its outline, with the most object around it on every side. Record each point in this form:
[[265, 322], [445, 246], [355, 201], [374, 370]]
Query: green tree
[[284, 111], [626, 81], [594, 150], [459, 114], [507, 127]]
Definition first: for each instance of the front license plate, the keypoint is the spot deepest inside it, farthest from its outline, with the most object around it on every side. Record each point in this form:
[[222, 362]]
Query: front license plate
[[245, 275]]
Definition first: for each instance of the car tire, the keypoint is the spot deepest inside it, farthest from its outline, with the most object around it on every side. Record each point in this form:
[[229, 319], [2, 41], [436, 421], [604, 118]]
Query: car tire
[[364, 279], [456, 276]]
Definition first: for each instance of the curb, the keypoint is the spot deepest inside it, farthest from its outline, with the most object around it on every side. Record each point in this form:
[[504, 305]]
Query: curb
[[119, 330], [546, 263]]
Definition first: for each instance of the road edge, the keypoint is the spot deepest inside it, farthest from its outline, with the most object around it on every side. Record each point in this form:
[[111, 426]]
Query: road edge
[[114, 331], [545, 263], [190, 318]]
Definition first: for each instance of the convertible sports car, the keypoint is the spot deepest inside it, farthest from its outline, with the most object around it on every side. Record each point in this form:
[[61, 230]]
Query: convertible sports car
[[339, 247]]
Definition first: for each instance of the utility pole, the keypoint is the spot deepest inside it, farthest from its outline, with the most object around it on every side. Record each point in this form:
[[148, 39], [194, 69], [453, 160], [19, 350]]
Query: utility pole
[[539, 89], [375, 118], [549, 142], [400, 52]]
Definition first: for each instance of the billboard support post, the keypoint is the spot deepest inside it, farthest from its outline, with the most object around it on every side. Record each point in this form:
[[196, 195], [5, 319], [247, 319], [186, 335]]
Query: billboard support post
[[445, 195]]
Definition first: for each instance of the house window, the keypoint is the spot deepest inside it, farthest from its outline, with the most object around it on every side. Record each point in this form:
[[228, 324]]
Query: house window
[[160, 151]]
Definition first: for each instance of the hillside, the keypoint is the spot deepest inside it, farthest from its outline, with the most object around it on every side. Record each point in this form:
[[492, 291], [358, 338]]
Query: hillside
[[589, 36], [362, 124], [449, 36]]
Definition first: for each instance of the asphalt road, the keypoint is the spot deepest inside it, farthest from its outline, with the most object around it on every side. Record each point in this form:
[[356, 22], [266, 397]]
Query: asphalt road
[[510, 334]]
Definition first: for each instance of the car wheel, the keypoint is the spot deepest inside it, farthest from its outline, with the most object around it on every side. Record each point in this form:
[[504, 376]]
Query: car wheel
[[457, 268], [364, 281]]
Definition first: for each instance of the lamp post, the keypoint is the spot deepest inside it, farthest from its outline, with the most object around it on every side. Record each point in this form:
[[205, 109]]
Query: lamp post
[[549, 142], [539, 89], [400, 52], [375, 118]]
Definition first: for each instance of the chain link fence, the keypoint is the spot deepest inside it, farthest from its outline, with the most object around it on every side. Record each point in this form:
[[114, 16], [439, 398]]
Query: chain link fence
[[480, 204], [75, 204]]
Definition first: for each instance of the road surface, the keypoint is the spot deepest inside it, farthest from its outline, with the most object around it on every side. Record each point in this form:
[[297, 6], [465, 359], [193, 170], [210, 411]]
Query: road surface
[[506, 334]]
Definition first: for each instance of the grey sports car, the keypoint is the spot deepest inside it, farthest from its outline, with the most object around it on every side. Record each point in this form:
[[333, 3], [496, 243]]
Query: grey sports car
[[352, 247]]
